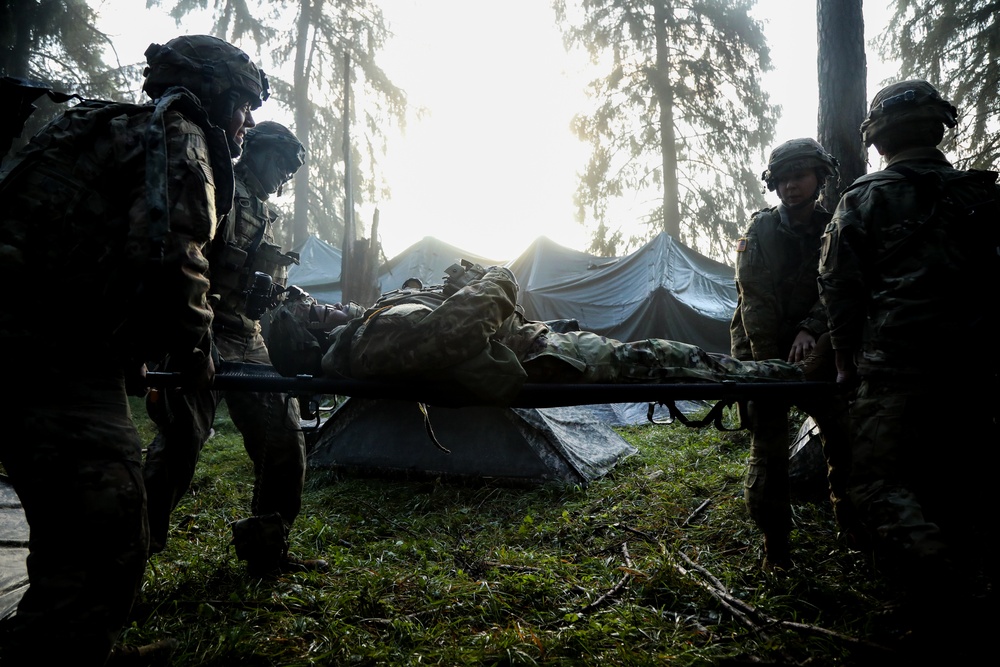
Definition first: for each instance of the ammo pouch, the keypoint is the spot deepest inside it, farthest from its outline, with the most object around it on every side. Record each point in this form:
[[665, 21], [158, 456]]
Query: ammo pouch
[[261, 540], [269, 258], [228, 262]]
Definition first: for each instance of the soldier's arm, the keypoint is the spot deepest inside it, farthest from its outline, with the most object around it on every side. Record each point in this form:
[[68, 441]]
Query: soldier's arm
[[758, 302], [179, 275], [738, 339], [842, 288]]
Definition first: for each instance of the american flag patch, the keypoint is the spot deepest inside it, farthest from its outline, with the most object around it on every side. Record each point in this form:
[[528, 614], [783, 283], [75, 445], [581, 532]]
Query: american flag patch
[[741, 245]]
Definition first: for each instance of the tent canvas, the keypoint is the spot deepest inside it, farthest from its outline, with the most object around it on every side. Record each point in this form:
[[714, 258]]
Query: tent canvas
[[318, 270], [13, 549], [509, 445], [662, 290], [426, 259]]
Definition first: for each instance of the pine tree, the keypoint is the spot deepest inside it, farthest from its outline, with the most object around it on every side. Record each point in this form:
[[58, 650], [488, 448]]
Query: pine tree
[[955, 45], [680, 112], [314, 47]]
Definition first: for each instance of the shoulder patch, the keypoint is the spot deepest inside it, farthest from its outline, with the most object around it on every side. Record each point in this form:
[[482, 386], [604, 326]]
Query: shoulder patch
[[741, 245]]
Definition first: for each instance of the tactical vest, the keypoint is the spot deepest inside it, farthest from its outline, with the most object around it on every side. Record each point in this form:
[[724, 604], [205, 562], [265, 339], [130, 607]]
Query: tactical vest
[[243, 246]]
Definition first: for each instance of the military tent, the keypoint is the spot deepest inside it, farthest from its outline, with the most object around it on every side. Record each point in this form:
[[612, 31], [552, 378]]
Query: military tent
[[426, 259], [505, 445], [318, 270], [662, 290], [13, 549]]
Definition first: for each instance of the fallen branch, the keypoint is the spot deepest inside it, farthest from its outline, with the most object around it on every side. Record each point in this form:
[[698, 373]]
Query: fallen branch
[[610, 595], [696, 512], [746, 613], [513, 568]]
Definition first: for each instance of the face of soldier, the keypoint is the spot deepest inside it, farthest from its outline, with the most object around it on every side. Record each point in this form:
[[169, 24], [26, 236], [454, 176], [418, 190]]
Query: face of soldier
[[241, 121], [797, 186], [272, 167]]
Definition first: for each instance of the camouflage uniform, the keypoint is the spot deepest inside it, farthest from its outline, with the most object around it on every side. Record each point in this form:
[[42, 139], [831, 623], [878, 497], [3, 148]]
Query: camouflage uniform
[[113, 203], [476, 339], [73, 217], [268, 422], [777, 298], [903, 262], [897, 287]]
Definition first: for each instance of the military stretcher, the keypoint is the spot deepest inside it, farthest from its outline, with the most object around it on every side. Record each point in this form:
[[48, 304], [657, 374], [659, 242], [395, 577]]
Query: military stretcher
[[232, 376]]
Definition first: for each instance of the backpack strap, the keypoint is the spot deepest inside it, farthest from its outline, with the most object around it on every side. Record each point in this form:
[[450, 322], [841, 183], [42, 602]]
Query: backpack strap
[[182, 100]]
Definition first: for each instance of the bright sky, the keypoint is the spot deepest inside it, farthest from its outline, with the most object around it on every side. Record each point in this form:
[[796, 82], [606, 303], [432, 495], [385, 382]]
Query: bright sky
[[493, 164]]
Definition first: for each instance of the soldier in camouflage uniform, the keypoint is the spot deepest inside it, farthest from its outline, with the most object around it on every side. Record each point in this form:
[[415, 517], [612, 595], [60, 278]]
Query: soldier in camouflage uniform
[[779, 316], [107, 207], [269, 422], [473, 337], [903, 265]]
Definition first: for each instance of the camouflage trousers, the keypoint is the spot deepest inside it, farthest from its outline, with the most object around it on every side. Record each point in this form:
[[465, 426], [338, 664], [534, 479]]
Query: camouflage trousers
[[268, 423], [75, 464], [766, 487], [583, 356], [921, 482]]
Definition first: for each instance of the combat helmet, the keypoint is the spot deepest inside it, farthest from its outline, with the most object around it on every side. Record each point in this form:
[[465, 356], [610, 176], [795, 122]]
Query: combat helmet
[[796, 154], [905, 103], [268, 135], [217, 72], [273, 153]]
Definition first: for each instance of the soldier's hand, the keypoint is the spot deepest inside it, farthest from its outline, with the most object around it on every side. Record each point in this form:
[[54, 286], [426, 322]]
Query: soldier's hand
[[197, 369], [801, 347]]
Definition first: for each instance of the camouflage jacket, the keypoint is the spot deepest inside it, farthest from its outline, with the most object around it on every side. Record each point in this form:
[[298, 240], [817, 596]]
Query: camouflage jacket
[[245, 244], [103, 217], [777, 294], [904, 262]]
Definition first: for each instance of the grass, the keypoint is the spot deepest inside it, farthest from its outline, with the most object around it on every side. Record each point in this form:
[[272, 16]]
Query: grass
[[428, 572]]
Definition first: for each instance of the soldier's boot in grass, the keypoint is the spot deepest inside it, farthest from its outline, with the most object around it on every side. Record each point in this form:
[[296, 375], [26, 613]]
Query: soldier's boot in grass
[[149, 655], [777, 552], [262, 541]]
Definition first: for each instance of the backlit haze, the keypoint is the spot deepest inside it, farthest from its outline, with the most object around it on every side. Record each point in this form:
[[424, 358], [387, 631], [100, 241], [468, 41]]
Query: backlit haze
[[493, 164]]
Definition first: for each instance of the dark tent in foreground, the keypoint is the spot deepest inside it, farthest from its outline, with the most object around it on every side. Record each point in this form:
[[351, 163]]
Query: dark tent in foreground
[[507, 445], [662, 290], [13, 549]]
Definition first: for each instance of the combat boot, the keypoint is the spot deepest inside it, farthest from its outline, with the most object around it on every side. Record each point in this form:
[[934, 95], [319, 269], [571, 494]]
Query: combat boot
[[777, 553]]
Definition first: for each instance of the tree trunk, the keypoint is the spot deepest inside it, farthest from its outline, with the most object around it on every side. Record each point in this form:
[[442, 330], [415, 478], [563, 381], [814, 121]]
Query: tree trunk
[[842, 71], [17, 27], [351, 268], [668, 141], [303, 123]]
